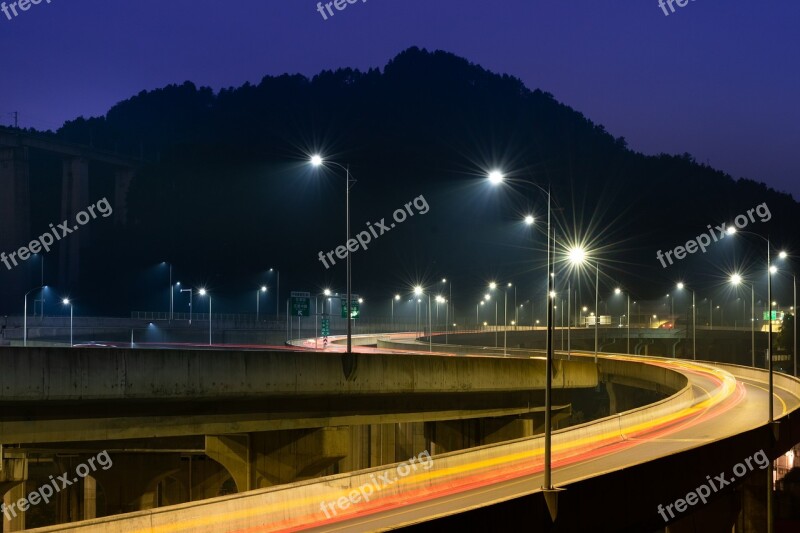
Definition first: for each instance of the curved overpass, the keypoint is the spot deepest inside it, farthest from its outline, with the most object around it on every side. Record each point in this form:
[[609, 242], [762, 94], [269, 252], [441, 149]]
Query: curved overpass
[[616, 470]]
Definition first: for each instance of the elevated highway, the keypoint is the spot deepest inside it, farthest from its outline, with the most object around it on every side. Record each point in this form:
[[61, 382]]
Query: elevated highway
[[616, 470]]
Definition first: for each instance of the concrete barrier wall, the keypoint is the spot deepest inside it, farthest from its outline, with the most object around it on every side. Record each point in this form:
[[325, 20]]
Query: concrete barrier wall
[[38, 374]]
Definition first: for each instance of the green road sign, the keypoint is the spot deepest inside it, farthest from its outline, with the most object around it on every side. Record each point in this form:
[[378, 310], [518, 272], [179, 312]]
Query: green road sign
[[355, 310], [326, 327], [301, 303]]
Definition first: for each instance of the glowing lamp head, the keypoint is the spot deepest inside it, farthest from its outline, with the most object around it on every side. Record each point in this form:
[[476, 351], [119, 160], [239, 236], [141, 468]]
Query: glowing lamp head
[[493, 285], [495, 177], [529, 220], [65, 301], [316, 160], [577, 255], [617, 290], [736, 279], [397, 297], [680, 286], [783, 255], [731, 230], [417, 290], [263, 288], [202, 292], [773, 269]]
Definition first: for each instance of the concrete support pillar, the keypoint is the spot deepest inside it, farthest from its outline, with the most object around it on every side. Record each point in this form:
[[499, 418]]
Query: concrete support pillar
[[69, 502], [292, 455], [358, 456], [89, 498], [233, 453], [17, 522], [410, 440], [382, 450], [264, 459], [451, 435], [74, 198], [122, 182]]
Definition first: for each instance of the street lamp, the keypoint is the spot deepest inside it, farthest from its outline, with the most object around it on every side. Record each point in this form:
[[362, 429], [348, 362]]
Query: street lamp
[[419, 291], [190, 291], [25, 315], [203, 292], [277, 293], [317, 161], [395, 299], [771, 269], [258, 297], [578, 256], [628, 294], [681, 286], [447, 309], [505, 318], [493, 286], [66, 301], [784, 255], [736, 279], [495, 178], [41, 283]]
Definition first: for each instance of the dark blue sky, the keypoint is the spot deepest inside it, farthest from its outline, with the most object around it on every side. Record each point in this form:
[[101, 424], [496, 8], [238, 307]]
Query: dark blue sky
[[719, 80]]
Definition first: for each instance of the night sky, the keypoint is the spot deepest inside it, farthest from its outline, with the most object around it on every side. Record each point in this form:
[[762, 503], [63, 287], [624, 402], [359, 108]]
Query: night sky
[[716, 79]]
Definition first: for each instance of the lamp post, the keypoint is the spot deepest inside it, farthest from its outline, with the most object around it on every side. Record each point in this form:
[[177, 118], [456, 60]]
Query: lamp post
[[25, 315], [190, 291], [66, 301], [681, 286], [317, 160], [784, 255], [770, 270], [496, 177], [440, 300], [578, 256], [736, 279], [505, 320], [258, 297], [628, 294], [41, 283], [419, 291], [493, 286], [277, 292], [395, 299], [447, 309], [203, 292]]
